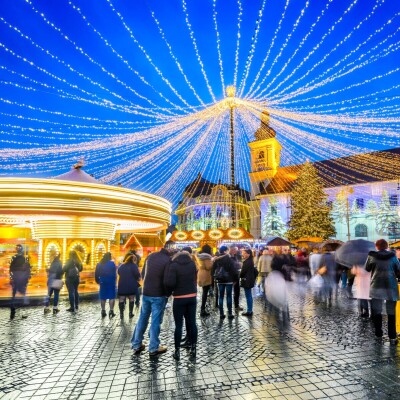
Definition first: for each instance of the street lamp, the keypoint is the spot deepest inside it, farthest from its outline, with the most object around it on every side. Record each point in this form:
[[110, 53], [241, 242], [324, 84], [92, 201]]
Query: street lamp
[[345, 193]]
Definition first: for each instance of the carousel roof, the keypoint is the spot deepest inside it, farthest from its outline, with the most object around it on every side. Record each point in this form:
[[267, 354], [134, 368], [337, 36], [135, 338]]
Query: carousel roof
[[76, 174]]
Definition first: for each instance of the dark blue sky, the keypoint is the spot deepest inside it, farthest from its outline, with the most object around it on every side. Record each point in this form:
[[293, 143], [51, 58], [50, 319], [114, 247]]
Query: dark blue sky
[[72, 75]]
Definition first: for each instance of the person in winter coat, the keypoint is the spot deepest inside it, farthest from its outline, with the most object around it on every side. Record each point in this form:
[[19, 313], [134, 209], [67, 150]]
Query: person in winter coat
[[204, 278], [128, 284], [302, 266], [71, 270], [361, 287], [54, 276], [20, 272], [264, 266], [225, 273], [106, 276], [153, 303], [248, 277], [328, 261], [237, 261], [384, 268], [133, 251], [180, 280], [315, 261]]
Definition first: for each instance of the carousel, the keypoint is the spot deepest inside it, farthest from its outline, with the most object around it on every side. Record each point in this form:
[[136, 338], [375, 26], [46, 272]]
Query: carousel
[[73, 211]]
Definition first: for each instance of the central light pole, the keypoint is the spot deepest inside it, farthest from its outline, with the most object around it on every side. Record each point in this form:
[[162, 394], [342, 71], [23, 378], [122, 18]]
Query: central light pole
[[230, 93]]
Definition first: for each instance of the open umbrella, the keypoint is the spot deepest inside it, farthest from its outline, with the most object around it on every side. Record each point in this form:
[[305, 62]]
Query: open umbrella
[[353, 252]]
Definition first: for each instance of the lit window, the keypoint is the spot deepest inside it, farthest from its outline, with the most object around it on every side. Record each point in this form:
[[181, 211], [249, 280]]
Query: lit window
[[394, 200], [361, 230], [394, 230], [360, 203]]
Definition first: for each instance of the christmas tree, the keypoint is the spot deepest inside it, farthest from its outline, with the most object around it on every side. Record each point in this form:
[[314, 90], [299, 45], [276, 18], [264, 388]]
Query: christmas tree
[[310, 211], [339, 207], [386, 215], [273, 224], [371, 209]]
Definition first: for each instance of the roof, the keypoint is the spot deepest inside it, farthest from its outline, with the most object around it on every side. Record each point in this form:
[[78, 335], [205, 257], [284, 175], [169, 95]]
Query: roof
[[202, 187], [351, 170], [77, 175], [278, 241]]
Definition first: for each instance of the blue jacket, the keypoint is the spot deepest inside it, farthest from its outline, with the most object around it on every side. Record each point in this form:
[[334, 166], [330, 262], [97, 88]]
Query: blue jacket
[[55, 271], [106, 273], [129, 277]]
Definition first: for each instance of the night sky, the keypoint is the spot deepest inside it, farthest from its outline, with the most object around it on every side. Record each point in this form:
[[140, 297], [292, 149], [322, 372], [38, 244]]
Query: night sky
[[87, 71]]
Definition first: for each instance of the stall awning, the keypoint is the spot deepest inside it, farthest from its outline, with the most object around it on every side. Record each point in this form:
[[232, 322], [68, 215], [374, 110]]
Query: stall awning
[[144, 240]]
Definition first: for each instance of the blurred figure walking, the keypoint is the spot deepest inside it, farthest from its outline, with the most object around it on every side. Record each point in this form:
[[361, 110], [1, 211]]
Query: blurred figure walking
[[128, 284], [264, 267], [71, 269], [361, 285], [384, 268], [315, 261], [106, 276], [302, 266], [20, 272], [54, 281]]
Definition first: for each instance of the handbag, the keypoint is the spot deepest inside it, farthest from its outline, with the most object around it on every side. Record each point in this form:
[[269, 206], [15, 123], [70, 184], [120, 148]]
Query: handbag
[[57, 284]]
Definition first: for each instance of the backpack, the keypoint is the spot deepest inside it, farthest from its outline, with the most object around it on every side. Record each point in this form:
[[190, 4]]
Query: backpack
[[73, 272], [221, 275]]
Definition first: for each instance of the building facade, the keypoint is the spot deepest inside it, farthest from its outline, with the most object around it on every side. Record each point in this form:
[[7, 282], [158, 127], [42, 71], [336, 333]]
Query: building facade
[[363, 190], [206, 205]]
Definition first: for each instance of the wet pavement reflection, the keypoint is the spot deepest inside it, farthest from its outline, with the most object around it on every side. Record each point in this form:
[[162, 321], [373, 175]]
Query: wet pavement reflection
[[317, 351]]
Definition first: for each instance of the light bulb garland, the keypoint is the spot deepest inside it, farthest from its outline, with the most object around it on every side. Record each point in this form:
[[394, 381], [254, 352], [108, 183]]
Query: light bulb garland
[[328, 81]]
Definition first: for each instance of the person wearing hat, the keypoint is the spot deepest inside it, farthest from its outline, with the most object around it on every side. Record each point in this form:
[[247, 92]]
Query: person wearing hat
[[20, 272], [225, 274]]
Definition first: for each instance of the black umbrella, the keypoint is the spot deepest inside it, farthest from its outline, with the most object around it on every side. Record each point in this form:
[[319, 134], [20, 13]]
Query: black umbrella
[[354, 252]]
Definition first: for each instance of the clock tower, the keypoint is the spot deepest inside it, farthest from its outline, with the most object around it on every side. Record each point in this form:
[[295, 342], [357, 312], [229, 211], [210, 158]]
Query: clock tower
[[265, 152]]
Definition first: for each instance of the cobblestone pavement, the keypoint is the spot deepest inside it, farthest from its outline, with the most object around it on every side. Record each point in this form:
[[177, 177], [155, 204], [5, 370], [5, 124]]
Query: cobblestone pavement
[[321, 353]]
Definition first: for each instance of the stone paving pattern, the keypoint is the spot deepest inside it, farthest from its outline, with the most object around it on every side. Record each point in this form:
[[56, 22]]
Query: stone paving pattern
[[320, 353]]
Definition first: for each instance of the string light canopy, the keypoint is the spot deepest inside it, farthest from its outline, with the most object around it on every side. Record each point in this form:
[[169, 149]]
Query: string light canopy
[[144, 90]]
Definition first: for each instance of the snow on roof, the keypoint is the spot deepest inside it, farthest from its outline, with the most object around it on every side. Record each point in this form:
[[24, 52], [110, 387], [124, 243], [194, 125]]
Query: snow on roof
[[77, 175]]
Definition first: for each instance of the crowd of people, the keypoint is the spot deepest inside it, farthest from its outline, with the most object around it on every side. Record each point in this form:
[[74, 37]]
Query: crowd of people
[[177, 274]]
